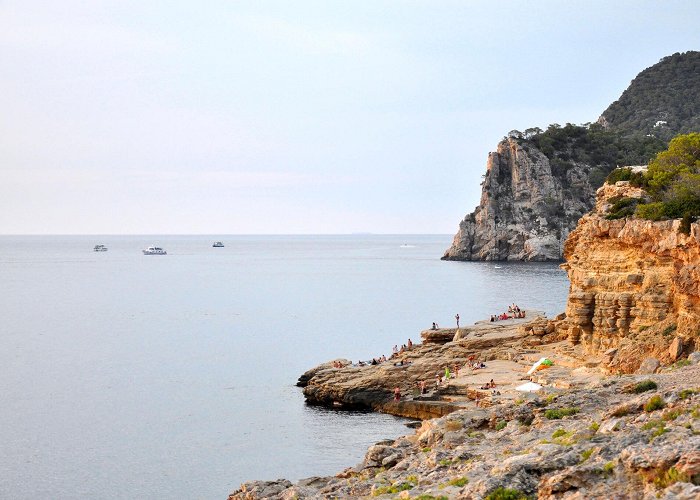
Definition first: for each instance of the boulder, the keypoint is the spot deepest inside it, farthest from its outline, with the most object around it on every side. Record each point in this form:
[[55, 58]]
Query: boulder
[[676, 348], [612, 425], [649, 366], [694, 357]]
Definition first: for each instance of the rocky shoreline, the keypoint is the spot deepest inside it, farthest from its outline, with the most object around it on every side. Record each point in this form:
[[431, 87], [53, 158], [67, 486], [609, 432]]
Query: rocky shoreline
[[616, 416], [372, 386], [584, 435]]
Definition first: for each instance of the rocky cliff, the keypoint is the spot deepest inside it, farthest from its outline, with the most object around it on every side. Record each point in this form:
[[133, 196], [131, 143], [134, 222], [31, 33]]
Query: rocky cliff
[[635, 285], [526, 212], [538, 183]]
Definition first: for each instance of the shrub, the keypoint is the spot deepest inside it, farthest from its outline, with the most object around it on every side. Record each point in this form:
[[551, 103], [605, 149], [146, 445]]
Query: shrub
[[459, 482], [643, 386], [394, 488], [681, 363], [559, 433], [555, 414], [686, 221], [671, 415], [501, 425], [453, 425], [686, 393], [586, 454], [669, 330], [621, 208], [430, 497], [619, 174], [673, 181], [502, 493], [651, 211], [621, 411], [654, 403], [670, 476], [594, 426], [608, 468]]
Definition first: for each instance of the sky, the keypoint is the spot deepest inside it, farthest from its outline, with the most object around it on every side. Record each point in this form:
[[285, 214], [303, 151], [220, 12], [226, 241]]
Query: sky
[[304, 117]]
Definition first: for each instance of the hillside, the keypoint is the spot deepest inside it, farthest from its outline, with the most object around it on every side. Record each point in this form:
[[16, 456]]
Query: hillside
[[663, 100]]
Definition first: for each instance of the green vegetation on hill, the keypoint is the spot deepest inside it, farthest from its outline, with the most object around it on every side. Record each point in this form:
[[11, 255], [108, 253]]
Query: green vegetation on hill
[[672, 183], [589, 144], [663, 100]]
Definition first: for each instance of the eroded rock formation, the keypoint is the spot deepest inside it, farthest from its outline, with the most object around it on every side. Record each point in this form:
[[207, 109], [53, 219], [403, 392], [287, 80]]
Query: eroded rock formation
[[635, 285], [525, 212]]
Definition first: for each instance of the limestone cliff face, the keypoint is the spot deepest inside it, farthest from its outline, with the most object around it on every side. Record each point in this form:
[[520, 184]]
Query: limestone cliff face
[[526, 212], [635, 285]]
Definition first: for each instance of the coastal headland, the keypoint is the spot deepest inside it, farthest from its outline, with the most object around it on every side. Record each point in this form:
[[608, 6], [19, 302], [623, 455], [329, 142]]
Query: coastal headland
[[582, 435], [615, 414], [503, 350]]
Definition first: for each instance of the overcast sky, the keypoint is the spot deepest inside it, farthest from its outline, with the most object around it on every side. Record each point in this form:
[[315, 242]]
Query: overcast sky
[[223, 117]]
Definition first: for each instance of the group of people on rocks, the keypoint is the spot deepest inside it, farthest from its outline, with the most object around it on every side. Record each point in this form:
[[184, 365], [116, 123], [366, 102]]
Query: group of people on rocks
[[435, 325], [395, 353], [513, 312], [488, 385]]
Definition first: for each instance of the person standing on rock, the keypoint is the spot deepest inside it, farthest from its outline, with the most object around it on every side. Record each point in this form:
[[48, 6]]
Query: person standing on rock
[[397, 394], [457, 318]]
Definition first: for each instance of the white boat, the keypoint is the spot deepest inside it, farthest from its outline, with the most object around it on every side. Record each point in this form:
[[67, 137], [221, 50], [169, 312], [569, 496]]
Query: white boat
[[154, 251], [99, 248], [218, 244]]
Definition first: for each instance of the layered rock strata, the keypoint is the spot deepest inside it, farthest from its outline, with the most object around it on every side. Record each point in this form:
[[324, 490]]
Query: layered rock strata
[[372, 386], [525, 212], [635, 285]]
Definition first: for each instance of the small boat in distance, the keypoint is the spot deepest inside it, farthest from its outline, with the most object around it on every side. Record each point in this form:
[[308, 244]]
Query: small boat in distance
[[99, 248], [218, 244], [154, 251]]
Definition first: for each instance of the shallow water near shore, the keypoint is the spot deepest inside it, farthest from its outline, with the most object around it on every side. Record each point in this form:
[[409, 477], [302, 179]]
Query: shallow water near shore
[[132, 376]]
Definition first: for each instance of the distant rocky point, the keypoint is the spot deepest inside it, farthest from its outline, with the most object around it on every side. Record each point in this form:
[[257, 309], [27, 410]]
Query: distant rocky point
[[538, 183]]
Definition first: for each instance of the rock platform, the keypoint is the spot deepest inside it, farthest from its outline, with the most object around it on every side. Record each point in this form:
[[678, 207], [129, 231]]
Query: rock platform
[[504, 347]]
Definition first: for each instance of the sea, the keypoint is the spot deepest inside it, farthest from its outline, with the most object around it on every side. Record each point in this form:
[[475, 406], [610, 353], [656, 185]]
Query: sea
[[134, 376]]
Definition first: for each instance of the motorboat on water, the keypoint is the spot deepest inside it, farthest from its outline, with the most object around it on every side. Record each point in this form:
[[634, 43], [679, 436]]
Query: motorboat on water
[[154, 251], [218, 244], [99, 248]]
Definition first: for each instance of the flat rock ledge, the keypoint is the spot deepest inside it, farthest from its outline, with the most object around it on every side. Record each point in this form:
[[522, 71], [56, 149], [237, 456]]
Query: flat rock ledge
[[372, 386]]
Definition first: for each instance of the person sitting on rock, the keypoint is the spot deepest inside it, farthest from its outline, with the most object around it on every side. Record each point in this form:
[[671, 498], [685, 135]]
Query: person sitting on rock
[[434, 326], [410, 344], [397, 394], [422, 387]]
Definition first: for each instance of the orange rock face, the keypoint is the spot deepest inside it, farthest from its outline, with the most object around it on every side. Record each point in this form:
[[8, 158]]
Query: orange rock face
[[635, 285]]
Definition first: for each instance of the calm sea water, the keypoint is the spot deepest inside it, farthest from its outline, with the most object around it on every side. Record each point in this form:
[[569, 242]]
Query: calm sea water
[[132, 376]]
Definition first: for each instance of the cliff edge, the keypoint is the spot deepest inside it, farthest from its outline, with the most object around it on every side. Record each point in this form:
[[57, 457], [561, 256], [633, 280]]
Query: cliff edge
[[635, 285], [526, 212]]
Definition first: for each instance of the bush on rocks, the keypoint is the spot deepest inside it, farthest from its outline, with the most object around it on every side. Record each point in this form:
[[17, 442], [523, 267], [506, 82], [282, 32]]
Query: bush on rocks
[[643, 386], [555, 414], [654, 403]]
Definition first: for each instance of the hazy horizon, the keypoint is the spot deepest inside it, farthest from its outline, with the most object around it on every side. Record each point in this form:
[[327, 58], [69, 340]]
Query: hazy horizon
[[314, 117]]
